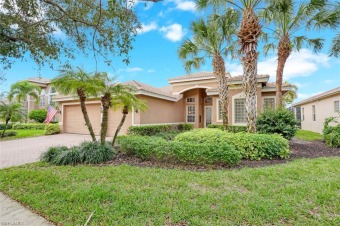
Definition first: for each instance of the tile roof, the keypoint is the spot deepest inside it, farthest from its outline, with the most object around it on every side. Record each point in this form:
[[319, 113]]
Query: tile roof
[[319, 96], [39, 80], [202, 74], [165, 91]]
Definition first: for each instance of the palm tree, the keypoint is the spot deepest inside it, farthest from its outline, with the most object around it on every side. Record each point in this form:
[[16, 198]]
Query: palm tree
[[125, 99], [212, 38], [248, 36], [290, 95], [9, 112], [289, 19], [79, 83], [21, 90]]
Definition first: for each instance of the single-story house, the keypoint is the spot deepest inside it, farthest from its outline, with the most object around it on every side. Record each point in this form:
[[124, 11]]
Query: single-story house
[[192, 98], [313, 111]]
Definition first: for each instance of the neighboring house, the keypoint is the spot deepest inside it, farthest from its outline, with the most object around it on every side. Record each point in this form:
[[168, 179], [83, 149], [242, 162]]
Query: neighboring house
[[188, 99], [45, 96], [313, 111]]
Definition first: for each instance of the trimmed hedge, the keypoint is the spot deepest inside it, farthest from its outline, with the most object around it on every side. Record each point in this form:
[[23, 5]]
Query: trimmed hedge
[[332, 138], [9, 133], [38, 115], [29, 126], [233, 129], [251, 146], [151, 130], [280, 121], [87, 152], [52, 129], [9, 126], [155, 148]]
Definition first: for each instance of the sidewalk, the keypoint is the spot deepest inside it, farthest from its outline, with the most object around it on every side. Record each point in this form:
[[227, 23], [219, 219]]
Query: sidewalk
[[13, 213]]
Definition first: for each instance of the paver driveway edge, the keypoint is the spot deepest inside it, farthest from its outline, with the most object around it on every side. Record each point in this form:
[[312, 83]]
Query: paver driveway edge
[[13, 213]]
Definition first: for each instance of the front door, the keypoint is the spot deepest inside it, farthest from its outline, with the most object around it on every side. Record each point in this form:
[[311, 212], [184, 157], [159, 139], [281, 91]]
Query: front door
[[207, 117]]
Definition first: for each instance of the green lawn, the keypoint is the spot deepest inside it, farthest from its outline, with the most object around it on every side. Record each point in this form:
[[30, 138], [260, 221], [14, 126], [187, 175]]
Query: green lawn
[[23, 133], [302, 192], [308, 135]]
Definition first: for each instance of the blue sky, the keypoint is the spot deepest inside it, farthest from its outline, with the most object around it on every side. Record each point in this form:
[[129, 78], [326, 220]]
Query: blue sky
[[154, 57]]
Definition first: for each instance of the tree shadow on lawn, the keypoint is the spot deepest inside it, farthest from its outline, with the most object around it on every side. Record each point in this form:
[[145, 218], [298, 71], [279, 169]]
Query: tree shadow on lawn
[[299, 149]]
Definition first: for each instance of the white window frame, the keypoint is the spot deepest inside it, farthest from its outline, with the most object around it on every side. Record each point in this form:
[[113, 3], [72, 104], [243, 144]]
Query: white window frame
[[313, 113], [186, 115], [303, 114], [235, 97], [336, 106], [268, 97], [194, 98], [42, 96]]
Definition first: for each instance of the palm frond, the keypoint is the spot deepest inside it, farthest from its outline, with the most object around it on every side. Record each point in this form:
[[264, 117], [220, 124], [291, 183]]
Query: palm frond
[[335, 49]]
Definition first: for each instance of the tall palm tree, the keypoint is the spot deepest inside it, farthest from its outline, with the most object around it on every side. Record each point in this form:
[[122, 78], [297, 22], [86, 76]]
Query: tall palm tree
[[212, 38], [9, 112], [248, 36], [81, 84], [125, 99], [290, 95], [23, 90], [289, 18]]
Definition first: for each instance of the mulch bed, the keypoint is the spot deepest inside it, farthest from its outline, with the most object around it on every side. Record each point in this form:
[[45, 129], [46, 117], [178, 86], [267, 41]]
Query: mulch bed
[[299, 149]]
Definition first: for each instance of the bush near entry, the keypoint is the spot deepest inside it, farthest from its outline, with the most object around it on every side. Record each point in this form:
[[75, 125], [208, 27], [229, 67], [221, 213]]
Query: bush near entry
[[38, 115], [233, 129], [156, 148], [280, 121], [151, 130], [29, 126], [52, 129], [251, 146]]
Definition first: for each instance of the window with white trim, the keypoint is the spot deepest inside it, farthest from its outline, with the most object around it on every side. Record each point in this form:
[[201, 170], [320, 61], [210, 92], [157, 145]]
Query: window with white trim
[[42, 98], [303, 114], [240, 110], [313, 112], [191, 111], [191, 100], [336, 106], [268, 103]]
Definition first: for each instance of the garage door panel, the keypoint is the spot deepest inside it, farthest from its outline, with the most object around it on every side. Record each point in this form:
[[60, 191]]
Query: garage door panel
[[73, 119], [114, 120]]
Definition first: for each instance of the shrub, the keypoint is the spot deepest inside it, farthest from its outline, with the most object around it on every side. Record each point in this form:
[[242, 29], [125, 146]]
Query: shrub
[[52, 129], [170, 135], [9, 133], [68, 157], [251, 146], [332, 138], [94, 152], [38, 115], [155, 148], [233, 129], [152, 130], [9, 126], [52, 153], [29, 126], [280, 121]]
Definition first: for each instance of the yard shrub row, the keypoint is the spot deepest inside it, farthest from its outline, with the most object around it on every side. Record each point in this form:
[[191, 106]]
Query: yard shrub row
[[9, 126], [87, 152], [29, 126], [151, 130], [52, 129], [233, 129], [331, 133], [9, 133], [251, 146], [156, 148]]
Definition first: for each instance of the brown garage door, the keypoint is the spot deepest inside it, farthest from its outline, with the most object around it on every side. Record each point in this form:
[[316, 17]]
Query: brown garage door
[[73, 119], [114, 120]]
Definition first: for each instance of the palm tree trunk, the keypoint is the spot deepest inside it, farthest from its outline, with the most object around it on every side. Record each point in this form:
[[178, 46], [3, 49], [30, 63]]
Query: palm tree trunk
[[284, 50], [222, 85], [125, 112], [248, 38], [3, 132], [82, 99], [106, 102]]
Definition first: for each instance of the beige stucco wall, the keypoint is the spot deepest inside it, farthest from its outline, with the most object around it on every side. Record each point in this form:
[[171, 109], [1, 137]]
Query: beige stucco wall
[[161, 111], [184, 86], [324, 108]]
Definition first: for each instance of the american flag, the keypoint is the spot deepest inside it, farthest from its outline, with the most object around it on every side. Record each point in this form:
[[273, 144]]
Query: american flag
[[50, 114]]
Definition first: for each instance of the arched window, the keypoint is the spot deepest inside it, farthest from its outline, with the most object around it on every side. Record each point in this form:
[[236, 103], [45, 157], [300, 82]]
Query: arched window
[[42, 98]]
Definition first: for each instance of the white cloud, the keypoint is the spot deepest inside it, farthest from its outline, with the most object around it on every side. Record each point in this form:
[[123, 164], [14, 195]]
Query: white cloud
[[186, 5], [133, 69], [173, 32], [329, 81], [299, 64], [147, 27], [151, 71]]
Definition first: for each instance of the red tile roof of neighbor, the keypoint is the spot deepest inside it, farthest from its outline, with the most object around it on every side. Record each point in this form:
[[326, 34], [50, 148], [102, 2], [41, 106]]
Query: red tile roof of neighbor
[[319, 96]]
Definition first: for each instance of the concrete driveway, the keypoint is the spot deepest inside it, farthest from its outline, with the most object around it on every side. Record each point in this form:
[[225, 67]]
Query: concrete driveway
[[27, 150]]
